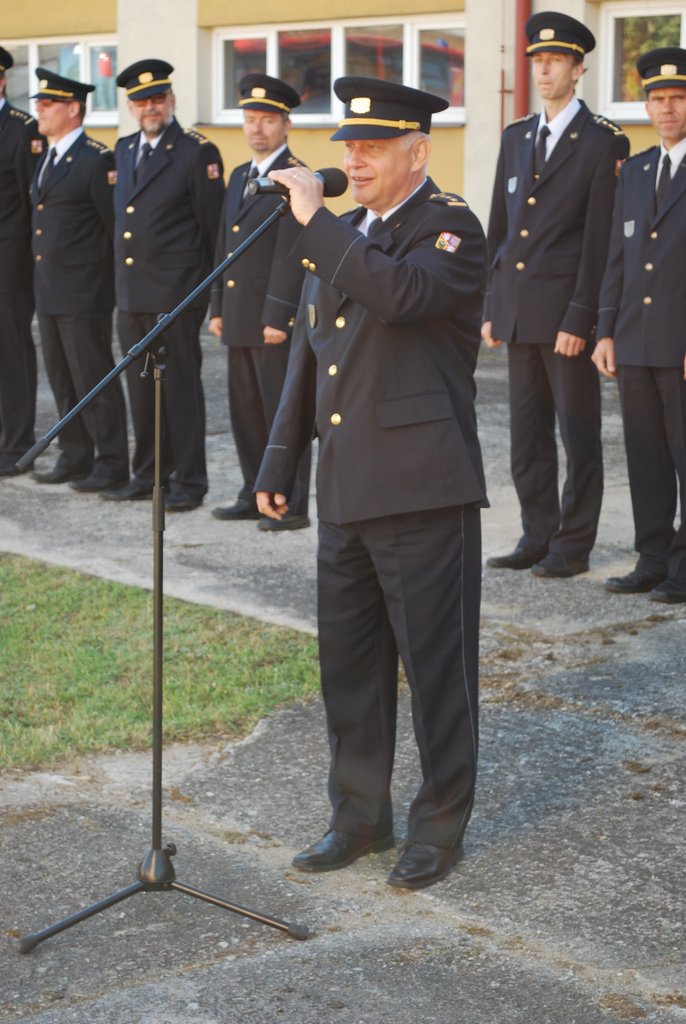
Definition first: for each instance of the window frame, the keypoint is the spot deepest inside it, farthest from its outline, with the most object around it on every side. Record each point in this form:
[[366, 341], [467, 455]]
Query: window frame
[[93, 119], [232, 116], [633, 112]]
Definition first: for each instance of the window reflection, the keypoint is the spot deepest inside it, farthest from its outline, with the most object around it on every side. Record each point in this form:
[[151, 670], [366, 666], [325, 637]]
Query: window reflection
[[305, 63], [242, 56], [375, 52], [632, 37], [441, 58]]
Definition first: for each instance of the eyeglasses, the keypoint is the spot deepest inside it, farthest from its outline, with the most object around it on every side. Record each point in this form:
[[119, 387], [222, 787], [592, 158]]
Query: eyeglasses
[[157, 100]]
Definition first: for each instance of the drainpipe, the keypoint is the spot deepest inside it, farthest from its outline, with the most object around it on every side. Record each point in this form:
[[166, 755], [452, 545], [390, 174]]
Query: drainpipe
[[521, 61]]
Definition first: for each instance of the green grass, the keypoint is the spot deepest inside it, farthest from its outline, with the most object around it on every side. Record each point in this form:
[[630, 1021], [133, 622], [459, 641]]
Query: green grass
[[76, 667]]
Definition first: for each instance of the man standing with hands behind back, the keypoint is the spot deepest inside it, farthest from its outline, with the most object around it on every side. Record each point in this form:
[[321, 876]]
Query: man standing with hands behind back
[[547, 240], [167, 203], [382, 363], [642, 330], [253, 306]]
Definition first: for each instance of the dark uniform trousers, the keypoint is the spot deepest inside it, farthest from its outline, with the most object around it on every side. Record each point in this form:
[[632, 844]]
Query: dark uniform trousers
[[256, 377], [397, 584], [77, 348], [183, 414], [17, 374], [653, 400], [542, 382]]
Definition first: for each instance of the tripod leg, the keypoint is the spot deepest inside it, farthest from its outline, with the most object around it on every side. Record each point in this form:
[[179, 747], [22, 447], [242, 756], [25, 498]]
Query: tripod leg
[[296, 931], [29, 942]]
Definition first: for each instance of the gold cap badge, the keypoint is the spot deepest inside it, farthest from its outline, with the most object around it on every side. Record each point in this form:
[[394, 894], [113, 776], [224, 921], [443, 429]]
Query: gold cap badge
[[146, 77], [668, 69], [258, 93], [360, 105], [547, 34]]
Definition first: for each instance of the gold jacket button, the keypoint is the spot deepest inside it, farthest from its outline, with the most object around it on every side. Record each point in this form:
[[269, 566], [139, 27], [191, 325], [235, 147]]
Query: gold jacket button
[[38, 258], [39, 231], [40, 207], [531, 200], [649, 266], [127, 235], [336, 419], [647, 300], [340, 321], [524, 233], [653, 234], [313, 266], [236, 229], [305, 263], [130, 209], [333, 370], [129, 261], [230, 284], [520, 265], [291, 322]]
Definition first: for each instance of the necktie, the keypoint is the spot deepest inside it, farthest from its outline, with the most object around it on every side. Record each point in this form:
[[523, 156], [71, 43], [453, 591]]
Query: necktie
[[145, 154], [663, 181], [254, 173], [48, 169], [376, 228], [539, 152]]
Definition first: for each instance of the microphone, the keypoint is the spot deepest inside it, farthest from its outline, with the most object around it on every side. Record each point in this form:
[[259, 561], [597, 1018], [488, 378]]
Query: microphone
[[334, 180]]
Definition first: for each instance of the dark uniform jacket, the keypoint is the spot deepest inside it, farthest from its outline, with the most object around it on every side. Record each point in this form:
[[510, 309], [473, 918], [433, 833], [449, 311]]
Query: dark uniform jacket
[[643, 295], [382, 362], [262, 288], [73, 224], [20, 147], [166, 224], [547, 239]]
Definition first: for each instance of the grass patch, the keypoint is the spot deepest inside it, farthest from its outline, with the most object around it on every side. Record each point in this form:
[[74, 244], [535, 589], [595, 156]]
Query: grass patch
[[76, 667]]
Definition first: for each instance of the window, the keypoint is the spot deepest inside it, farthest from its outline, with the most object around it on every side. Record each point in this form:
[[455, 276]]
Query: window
[[85, 60], [627, 31], [425, 53]]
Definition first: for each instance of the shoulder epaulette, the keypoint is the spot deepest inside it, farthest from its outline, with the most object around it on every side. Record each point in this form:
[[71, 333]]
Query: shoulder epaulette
[[95, 144], [21, 116], [641, 152], [521, 120], [196, 136], [604, 122], [294, 162], [447, 199]]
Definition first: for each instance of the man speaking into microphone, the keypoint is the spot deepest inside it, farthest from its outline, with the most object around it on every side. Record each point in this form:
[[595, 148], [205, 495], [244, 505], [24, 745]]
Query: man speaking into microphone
[[381, 370]]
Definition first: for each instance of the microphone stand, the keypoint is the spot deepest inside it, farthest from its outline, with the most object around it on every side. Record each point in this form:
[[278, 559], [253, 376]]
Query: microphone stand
[[156, 871]]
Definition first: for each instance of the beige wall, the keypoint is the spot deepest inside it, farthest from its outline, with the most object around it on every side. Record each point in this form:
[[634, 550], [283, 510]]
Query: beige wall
[[218, 12], [60, 18]]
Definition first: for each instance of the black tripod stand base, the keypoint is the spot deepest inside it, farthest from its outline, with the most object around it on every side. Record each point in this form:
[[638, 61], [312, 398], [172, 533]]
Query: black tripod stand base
[[156, 874]]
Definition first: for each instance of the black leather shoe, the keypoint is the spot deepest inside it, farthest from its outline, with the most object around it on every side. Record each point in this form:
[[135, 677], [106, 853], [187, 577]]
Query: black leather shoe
[[241, 510], [97, 481], [338, 849], [635, 582], [421, 865], [8, 467], [669, 592], [135, 490], [289, 522], [520, 558], [181, 502], [558, 567], [59, 474]]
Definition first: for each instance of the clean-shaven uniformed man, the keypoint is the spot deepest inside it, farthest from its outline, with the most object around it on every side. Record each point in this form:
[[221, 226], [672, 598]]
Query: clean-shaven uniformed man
[[253, 305], [547, 239], [167, 205], [21, 145], [73, 225], [382, 369], [642, 331]]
